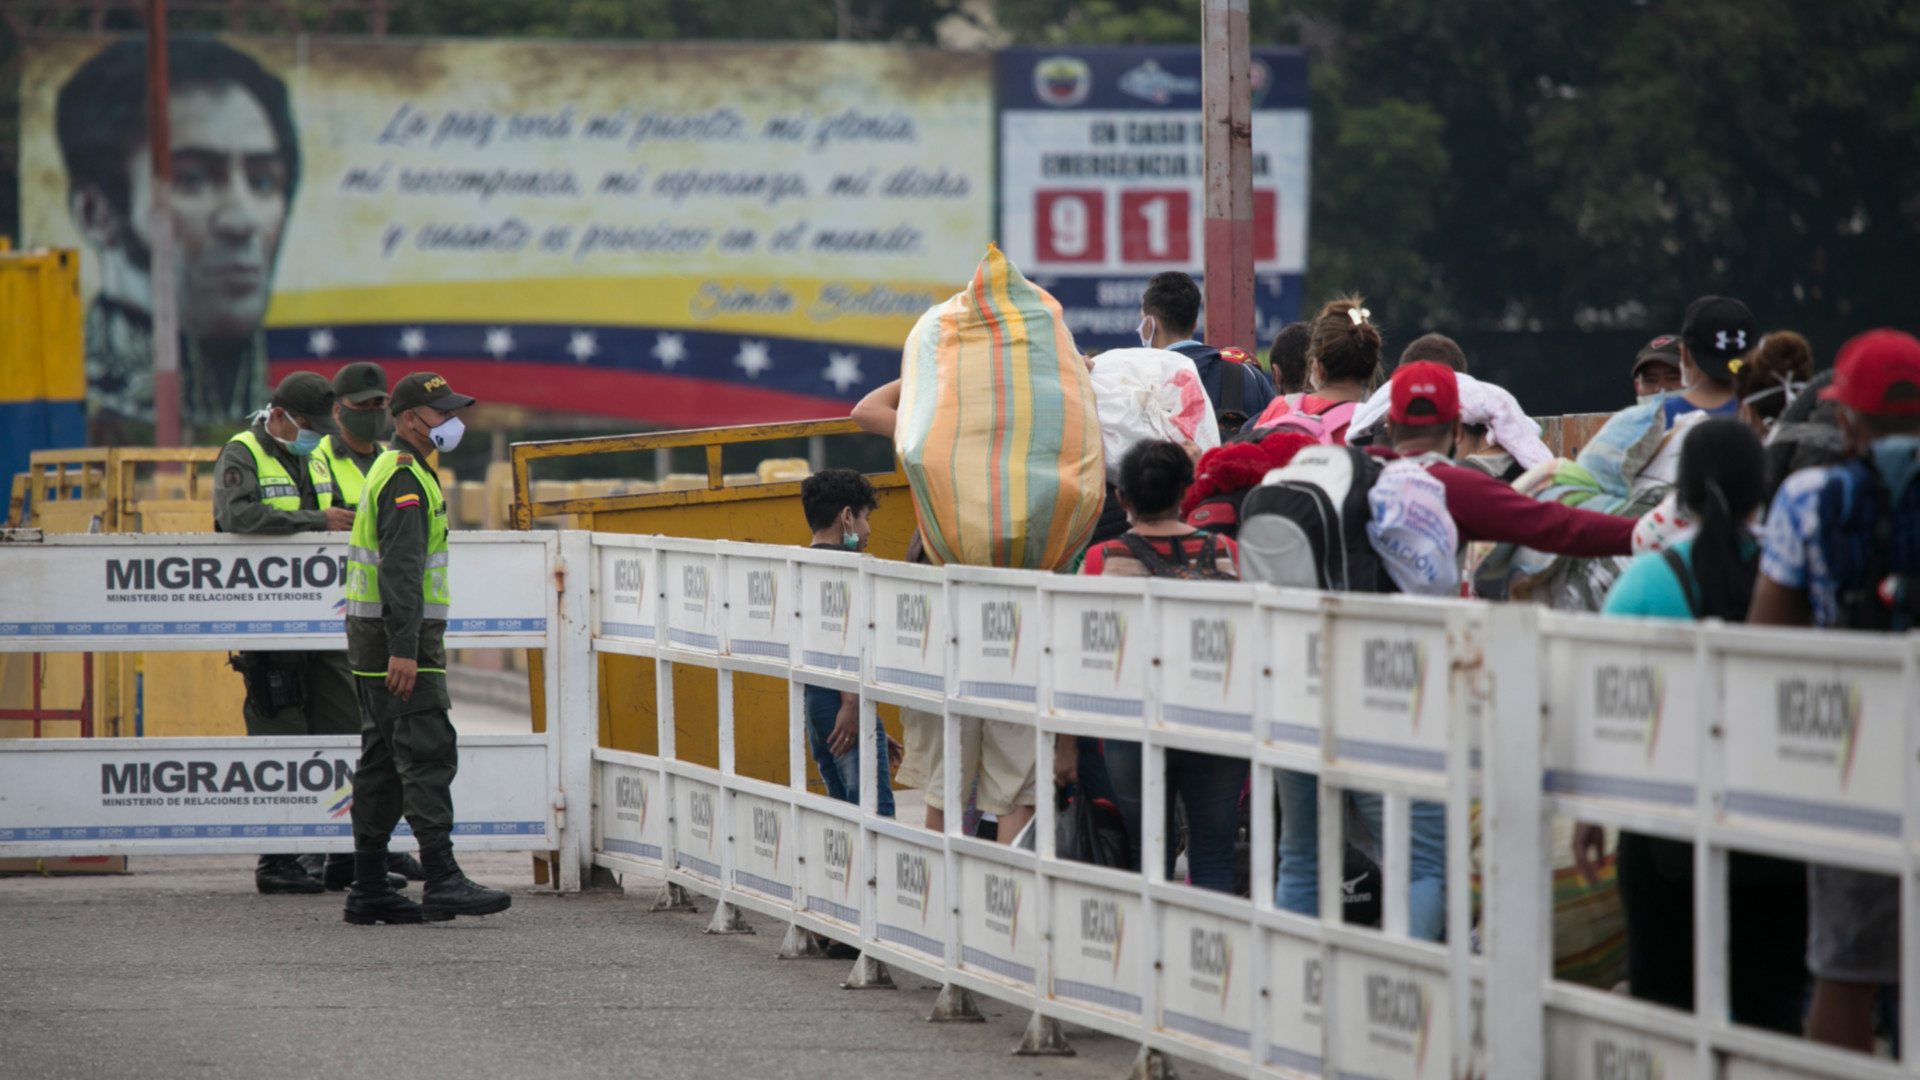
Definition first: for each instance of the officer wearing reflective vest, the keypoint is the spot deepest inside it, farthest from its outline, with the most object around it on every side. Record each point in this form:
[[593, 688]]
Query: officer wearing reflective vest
[[360, 407], [266, 484], [397, 596]]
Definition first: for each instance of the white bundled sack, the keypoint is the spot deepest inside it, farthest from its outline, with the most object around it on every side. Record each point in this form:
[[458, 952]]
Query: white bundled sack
[[1412, 532], [1144, 394]]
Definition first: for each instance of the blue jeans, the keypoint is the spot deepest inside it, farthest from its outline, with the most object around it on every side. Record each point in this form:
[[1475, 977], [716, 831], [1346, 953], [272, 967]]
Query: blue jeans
[[1299, 886], [1209, 786], [842, 774]]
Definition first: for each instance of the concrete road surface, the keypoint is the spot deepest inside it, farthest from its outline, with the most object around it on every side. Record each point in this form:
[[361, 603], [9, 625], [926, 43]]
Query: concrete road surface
[[180, 969]]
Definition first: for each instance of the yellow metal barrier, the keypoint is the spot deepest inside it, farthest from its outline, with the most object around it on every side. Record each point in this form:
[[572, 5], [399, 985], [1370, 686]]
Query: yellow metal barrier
[[747, 510]]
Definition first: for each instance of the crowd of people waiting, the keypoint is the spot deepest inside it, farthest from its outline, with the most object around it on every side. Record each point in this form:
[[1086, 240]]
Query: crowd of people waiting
[[1740, 486]]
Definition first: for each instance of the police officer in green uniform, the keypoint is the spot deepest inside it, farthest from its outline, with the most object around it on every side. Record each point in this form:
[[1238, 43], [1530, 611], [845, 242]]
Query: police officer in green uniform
[[360, 407], [265, 484], [342, 459], [397, 599]]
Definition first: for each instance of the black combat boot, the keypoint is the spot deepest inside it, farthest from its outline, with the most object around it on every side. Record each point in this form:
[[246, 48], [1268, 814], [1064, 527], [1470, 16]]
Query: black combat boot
[[281, 874], [399, 862], [340, 872], [314, 864], [372, 899], [449, 893]]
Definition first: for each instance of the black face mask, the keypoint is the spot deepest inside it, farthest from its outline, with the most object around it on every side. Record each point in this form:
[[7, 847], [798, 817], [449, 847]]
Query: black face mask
[[367, 425]]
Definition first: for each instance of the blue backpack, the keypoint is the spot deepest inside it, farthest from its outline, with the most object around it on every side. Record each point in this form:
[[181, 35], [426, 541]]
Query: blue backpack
[[1872, 548]]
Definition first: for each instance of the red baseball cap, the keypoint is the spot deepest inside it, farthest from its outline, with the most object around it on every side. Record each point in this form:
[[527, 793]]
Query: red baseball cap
[[1878, 373], [1425, 381]]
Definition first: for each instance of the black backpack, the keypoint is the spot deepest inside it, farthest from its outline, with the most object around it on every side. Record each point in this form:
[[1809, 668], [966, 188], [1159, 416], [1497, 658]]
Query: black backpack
[[1306, 526], [1205, 566]]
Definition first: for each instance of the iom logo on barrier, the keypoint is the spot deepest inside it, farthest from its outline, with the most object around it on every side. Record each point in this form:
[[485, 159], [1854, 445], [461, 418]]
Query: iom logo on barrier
[[700, 813], [1818, 722]]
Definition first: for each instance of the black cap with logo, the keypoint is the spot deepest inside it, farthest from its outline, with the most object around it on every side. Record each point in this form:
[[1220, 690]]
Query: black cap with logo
[[425, 388], [1664, 349], [360, 381], [1717, 329], [309, 397]]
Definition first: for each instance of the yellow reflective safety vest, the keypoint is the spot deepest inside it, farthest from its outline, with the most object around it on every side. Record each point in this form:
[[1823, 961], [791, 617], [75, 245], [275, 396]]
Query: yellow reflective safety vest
[[277, 487], [345, 476], [363, 552]]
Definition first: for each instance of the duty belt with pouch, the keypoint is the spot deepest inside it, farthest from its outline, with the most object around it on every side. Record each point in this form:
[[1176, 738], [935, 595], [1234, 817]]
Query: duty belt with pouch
[[273, 682]]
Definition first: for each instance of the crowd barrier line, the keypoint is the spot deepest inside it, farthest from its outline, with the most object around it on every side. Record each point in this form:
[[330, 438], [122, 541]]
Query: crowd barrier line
[[1797, 744], [1528, 712]]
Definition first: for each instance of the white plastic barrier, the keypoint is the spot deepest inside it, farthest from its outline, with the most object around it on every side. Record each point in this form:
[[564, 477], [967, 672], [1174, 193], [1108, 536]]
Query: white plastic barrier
[[1529, 712], [157, 593]]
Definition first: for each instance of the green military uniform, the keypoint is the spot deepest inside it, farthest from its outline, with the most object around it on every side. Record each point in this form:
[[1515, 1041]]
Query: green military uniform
[[261, 488], [344, 468], [397, 598], [397, 601]]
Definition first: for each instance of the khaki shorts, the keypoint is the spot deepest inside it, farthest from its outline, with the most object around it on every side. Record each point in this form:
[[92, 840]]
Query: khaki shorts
[[998, 753]]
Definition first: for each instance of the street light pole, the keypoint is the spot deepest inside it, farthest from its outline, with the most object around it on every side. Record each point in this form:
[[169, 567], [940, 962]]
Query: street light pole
[[166, 312], [1227, 104]]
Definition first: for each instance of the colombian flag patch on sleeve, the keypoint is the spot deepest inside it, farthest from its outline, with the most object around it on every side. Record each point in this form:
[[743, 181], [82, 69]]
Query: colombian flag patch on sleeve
[[407, 500]]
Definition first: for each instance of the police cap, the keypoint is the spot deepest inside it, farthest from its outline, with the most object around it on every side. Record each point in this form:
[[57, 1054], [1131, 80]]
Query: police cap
[[425, 388], [360, 381], [310, 397]]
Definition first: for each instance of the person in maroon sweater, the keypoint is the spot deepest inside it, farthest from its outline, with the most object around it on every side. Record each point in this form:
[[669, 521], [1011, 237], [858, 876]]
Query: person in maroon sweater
[[1485, 508]]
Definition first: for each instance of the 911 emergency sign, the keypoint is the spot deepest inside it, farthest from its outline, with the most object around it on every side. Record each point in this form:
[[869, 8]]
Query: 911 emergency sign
[[1102, 168]]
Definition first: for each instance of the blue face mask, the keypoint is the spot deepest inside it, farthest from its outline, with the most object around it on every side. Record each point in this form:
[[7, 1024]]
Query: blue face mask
[[305, 443], [1897, 459]]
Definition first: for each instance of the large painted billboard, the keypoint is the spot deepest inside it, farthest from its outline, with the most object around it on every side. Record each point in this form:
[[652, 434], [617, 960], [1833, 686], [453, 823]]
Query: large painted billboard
[[1102, 171], [684, 234]]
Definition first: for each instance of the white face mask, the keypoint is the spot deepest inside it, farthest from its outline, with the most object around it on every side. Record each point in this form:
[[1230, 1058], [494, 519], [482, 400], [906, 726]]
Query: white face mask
[[1145, 330], [446, 436]]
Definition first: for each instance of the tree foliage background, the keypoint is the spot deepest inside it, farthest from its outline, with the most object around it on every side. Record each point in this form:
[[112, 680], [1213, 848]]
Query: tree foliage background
[[1543, 166]]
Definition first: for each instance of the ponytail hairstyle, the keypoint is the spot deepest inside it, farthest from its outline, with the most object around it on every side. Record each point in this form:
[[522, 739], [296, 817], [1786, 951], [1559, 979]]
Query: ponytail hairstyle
[[1772, 374], [1154, 476], [1346, 343], [1723, 477]]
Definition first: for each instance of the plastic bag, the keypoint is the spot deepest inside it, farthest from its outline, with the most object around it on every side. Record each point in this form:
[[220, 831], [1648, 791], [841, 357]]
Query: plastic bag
[[1144, 394], [1412, 531], [1089, 831]]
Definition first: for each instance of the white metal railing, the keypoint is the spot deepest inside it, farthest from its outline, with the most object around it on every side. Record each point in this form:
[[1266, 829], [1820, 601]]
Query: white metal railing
[[1664, 728]]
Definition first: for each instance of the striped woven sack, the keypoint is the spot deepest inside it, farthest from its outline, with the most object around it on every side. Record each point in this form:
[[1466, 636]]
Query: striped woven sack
[[997, 430]]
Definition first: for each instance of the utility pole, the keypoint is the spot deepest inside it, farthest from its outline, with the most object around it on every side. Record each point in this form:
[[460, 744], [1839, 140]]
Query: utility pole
[[1227, 103], [166, 312]]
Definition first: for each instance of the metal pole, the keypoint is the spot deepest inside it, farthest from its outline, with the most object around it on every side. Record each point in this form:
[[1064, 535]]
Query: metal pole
[[1227, 101], [166, 313]]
